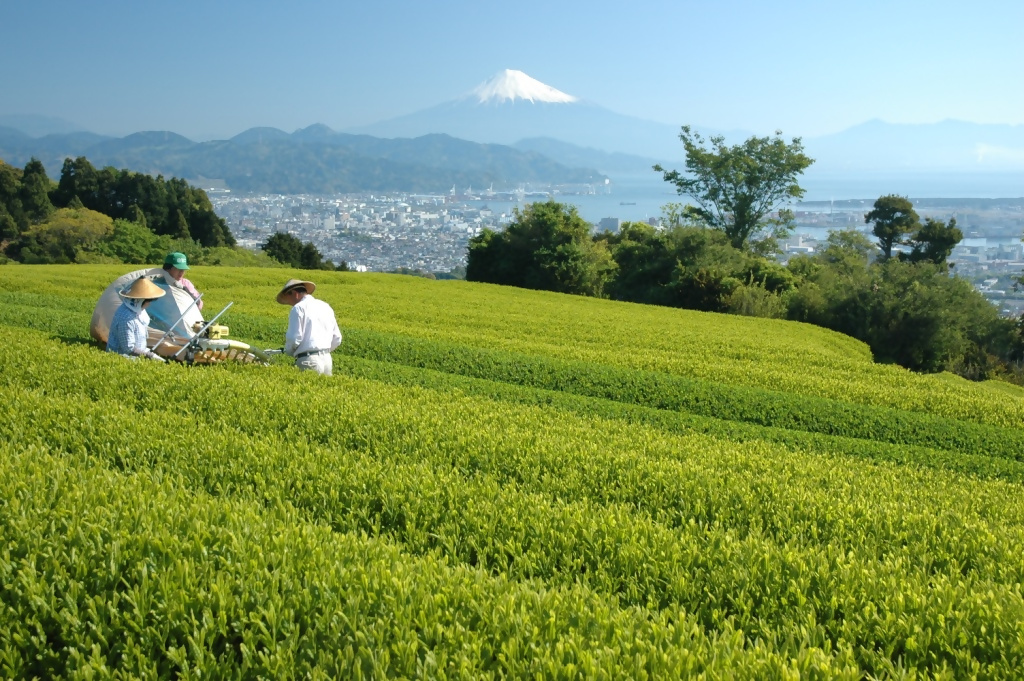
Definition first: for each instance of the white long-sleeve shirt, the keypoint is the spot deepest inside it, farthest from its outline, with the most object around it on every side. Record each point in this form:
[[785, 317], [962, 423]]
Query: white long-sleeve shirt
[[311, 326]]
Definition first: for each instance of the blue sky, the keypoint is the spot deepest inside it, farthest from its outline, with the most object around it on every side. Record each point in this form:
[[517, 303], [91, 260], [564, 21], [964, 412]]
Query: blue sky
[[213, 69]]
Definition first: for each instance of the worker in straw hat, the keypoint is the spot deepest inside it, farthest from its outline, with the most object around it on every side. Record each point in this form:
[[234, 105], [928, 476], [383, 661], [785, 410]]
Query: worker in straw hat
[[313, 332], [129, 328]]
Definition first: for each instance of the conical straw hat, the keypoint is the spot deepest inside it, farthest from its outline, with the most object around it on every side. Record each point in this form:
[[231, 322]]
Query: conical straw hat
[[143, 289]]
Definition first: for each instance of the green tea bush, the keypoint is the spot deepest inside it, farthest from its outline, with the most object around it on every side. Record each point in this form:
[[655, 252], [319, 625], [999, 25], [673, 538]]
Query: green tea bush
[[499, 491]]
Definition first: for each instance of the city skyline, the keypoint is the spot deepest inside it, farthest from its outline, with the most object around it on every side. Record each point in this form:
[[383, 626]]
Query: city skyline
[[213, 70]]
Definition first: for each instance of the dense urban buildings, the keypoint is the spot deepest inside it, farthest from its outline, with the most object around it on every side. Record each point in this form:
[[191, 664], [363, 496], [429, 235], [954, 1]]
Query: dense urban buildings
[[370, 232]]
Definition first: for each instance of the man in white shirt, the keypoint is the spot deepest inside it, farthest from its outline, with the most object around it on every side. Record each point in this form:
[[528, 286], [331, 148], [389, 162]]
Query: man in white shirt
[[313, 332]]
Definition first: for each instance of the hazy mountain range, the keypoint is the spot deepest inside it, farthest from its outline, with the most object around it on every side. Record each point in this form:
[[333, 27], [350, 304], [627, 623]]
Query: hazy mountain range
[[513, 107], [510, 129], [949, 145], [311, 160]]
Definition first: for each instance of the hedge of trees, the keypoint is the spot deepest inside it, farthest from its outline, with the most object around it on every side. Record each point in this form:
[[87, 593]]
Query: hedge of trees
[[104, 215], [896, 294], [910, 310], [290, 250]]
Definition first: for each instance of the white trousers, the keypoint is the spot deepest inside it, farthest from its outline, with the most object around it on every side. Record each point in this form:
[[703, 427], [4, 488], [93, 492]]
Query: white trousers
[[322, 364]]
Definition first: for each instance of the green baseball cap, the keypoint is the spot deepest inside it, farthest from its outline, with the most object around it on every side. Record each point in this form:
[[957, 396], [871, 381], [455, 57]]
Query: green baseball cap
[[177, 260]]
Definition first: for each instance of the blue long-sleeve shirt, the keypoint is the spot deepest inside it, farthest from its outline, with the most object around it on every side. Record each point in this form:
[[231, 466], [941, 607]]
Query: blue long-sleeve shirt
[[129, 331]]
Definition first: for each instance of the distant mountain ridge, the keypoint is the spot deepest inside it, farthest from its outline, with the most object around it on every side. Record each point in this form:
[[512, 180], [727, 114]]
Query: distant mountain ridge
[[947, 145], [511, 107], [575, 156], [315, 159], [510, 129], [584, 125], [35, 125]]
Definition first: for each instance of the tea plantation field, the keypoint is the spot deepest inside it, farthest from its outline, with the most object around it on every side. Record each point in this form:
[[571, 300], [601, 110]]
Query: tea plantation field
[[497, 483]]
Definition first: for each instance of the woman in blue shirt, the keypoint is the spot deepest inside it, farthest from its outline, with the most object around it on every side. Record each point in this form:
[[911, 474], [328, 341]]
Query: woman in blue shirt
[[129, 329]]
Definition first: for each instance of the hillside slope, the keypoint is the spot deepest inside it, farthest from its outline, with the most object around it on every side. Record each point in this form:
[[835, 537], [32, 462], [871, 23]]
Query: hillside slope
[[502, 482]]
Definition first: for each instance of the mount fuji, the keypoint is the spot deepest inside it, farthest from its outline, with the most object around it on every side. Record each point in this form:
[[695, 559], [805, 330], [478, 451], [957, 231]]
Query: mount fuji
[[514, 109], [512, 106]]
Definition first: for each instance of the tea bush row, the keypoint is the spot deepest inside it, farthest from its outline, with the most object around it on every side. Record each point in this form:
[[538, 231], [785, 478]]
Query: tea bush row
[[782, 547], [677, 393], [778, 356], [1010, 470], [113, 576], [37, 311]]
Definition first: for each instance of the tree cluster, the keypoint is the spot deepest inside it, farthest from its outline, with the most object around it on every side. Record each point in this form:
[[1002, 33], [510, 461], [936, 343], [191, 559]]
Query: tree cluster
[[24, 198], [688, 266], [168, 207], [909, 310], [548, 246], [291, 251], [714, 257], [896, 223], [108, 216]]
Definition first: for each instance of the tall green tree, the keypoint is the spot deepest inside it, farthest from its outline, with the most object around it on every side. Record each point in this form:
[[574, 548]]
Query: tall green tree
[[925, 320], [136, 215], [894, 220], [646, 262], [934, 241], [8, 225], [310, 257], [284, 248], [207, 228], [35, 192], [291, 251], [548, 247], [12, 216], [181, 227], [78, 178], [836, 288], [738, 187], [848, 250]]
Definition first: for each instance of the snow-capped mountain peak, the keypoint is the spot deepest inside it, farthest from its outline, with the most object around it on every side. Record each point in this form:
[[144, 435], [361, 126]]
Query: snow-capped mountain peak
[[512, 85]]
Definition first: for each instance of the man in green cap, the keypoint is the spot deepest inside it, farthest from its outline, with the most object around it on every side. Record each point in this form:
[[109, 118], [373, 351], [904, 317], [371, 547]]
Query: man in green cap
[[175, 265]]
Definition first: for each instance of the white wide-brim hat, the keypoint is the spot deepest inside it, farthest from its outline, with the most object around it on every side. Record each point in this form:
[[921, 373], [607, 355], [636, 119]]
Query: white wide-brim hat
[[292, 283]]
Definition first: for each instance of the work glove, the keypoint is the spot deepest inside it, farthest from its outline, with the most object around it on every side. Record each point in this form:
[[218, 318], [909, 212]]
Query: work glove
[[152, 355]]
